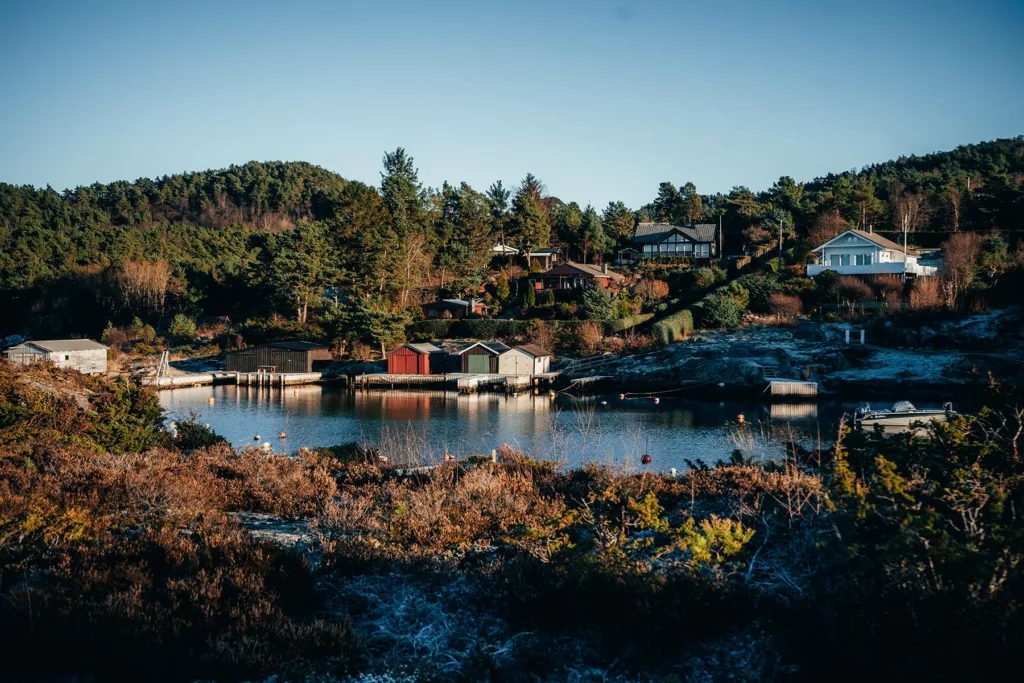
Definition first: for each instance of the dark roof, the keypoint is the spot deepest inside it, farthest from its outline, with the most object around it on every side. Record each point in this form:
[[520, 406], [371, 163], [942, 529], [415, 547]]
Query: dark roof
[[869, 236], [534, 350], [493, 345], [296, 345], [58, 345], [546, 251], [571, 267], [649, 233]]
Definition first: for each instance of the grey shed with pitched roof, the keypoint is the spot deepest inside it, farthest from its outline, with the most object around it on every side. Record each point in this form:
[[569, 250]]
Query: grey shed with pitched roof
[[84, 355]]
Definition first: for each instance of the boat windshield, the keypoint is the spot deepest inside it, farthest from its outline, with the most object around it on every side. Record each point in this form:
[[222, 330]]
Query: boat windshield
[[903, 407]]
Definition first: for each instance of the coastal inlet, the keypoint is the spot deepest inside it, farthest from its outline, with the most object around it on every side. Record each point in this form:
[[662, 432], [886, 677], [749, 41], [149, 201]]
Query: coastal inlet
[[422, 426]]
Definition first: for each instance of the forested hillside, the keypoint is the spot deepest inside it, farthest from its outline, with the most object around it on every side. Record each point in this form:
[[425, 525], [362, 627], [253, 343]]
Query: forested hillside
[[272, 238]]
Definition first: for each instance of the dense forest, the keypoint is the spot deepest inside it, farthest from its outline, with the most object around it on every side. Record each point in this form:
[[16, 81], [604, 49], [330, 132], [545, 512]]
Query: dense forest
[[296, 241]]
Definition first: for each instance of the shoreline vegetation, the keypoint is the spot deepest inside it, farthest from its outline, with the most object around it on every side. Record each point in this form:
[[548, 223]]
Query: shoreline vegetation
[[128, 555]]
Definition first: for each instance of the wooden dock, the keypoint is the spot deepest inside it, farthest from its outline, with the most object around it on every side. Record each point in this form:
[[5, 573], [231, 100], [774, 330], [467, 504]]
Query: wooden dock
[[462, 382], [257, 379]]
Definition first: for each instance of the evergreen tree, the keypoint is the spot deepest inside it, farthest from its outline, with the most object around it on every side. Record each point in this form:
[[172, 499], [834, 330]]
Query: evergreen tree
[[531, 229], [593, 237]]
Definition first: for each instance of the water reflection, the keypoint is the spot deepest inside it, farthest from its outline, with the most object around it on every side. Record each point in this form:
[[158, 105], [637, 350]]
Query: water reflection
[[564, 428]]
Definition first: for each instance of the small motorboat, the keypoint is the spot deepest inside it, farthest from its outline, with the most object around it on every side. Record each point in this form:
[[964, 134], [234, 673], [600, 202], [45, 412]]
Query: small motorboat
[[902, 415]]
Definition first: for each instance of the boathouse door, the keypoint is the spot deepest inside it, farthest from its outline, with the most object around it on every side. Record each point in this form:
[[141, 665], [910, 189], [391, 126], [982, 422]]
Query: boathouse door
[[479, 364]]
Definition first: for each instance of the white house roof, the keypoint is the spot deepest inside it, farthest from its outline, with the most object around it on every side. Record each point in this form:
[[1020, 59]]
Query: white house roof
[[878, 240]]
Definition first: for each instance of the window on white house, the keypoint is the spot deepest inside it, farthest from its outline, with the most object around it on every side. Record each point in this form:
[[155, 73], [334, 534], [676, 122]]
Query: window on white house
[[67, 357]]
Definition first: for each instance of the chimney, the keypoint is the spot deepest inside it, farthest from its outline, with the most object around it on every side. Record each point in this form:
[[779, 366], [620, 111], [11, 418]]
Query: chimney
[[604, 268], [871, 228]]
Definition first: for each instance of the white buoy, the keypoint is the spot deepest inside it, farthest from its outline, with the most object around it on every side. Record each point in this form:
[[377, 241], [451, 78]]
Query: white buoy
[[622, 397], [211, 400], [657, 401], [672, 471], [256, 438], [604, 403]]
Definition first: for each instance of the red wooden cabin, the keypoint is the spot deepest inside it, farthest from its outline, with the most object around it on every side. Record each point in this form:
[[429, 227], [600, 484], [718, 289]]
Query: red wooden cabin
[[416, 359]]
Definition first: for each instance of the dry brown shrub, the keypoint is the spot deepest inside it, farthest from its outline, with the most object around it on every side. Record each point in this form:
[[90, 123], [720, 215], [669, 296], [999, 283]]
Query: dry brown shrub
[[853, 289], [926, 293], [888, 288], [785, 306], [589, 336]]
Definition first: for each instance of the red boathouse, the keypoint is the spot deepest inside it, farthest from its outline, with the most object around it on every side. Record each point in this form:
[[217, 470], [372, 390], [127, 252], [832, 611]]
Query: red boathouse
[[416, 359]]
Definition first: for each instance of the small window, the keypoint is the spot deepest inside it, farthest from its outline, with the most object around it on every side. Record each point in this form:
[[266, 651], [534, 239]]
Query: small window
[[67, 357]]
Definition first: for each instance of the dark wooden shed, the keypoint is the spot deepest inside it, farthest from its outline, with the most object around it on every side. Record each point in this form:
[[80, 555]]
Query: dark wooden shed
[[293, 356], [482, 358], [416, 359]]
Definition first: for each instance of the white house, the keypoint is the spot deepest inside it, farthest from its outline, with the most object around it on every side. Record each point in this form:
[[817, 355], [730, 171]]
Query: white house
[[528, 359], [855, 252], [84, 355]]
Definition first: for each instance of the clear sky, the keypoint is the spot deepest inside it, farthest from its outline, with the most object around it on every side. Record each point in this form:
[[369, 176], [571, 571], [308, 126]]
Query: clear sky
[[602, 99]]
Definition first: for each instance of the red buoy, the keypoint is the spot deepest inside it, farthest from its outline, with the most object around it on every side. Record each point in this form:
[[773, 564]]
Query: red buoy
[[645, 459]]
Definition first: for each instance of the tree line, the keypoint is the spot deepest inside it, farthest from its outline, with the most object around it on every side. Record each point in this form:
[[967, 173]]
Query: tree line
[[296, 240]]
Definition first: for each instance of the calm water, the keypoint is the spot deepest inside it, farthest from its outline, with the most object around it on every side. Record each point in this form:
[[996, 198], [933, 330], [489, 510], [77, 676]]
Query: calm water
[[565, 429]]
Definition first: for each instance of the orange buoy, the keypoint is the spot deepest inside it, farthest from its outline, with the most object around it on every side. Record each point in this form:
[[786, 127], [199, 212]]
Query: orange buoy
[[740, 418], [211, 399], [282, 435], [645, 459]]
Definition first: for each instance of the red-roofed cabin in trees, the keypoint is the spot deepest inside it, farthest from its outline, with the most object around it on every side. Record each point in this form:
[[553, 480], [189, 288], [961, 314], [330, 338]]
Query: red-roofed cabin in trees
[[416, 359], [570, 275]]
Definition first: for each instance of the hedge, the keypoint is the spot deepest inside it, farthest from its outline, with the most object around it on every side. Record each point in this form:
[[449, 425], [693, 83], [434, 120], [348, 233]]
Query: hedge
[[623, 324], [674, 327], [474, 328]]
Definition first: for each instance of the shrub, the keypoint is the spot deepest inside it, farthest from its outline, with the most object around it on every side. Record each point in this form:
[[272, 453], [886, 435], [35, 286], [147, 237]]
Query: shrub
[[925, 293], [705, 278], [623, 324], [589, 336], [529, 297], [888, 288], [739, 293], [852, 289], [650, 289], [760, 286], [785, 306], [720, 310], [674, 327], [182, 328]]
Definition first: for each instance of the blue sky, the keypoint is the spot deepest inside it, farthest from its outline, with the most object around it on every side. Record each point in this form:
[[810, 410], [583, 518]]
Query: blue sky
[[601, 99]]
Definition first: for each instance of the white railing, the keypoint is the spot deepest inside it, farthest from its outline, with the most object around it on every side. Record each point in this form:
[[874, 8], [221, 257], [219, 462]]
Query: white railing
[[896, 268]]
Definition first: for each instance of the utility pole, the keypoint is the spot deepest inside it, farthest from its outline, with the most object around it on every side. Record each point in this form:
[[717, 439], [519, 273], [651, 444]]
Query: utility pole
[[780, 244]]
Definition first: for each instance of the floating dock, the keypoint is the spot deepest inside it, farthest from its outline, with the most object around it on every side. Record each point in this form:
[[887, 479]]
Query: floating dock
[[791, 387]]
